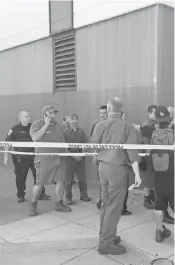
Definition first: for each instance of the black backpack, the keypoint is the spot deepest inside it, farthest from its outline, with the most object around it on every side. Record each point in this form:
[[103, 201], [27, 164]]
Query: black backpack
[[161, 158]]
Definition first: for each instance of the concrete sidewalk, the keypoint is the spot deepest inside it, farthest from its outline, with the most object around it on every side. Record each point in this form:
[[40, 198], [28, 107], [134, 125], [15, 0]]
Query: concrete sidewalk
[[72, 238]]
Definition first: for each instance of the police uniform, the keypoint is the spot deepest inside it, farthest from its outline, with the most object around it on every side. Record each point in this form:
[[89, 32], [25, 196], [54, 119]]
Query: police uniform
[[22, 163], [49, 169], [75, 167], [113, 171]]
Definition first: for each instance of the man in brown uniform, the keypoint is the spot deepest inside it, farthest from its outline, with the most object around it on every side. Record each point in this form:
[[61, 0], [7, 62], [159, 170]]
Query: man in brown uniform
[[49, 169], [113, 171], [125, 210]]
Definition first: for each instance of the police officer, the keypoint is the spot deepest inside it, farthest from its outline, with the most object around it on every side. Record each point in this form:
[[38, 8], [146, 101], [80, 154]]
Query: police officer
[[22, 163], [113, 171]]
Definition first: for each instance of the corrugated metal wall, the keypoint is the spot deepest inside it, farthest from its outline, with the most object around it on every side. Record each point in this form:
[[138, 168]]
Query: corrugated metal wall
[[117, 57], [117, 53], [27, 69], [166, 55]]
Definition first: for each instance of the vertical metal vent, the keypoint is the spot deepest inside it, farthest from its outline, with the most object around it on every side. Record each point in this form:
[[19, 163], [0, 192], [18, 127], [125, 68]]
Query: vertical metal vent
[[64, 61]]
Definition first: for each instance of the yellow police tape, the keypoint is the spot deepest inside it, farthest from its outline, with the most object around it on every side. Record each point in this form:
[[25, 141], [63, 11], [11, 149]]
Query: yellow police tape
[[87, 145]]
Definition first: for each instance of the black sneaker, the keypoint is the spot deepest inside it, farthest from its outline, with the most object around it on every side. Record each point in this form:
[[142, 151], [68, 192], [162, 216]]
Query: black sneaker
[[112, 249], [167, 218], [152, 196], [148, 203], [21, 199], [162, 235], [85, 198], [126, 212]]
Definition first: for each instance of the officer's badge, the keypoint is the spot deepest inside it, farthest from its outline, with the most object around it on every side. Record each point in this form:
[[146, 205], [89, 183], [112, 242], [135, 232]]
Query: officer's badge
[[10, 132]]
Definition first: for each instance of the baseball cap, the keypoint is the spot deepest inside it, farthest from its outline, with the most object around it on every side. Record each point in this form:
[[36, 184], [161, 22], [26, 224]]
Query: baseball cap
[[48, 108], [162, 114]]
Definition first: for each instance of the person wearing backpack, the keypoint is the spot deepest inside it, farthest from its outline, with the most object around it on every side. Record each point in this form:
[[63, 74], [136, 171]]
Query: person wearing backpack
[[163, 168], [147, 132], [171, 111]]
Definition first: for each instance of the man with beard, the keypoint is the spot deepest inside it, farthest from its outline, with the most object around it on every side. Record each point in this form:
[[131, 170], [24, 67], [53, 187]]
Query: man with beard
[[50, 169]]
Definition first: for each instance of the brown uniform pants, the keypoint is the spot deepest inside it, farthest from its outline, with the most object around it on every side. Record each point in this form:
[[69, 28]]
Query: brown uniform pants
[[113, 181], [78, 168]]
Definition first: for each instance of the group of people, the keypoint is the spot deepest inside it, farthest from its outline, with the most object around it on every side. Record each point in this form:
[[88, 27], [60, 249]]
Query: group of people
[[48, 169], [115, 166]]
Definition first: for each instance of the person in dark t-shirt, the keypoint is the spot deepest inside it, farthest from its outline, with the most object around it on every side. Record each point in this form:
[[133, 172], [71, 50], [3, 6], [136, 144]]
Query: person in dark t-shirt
[[166, 180], [21, 133]]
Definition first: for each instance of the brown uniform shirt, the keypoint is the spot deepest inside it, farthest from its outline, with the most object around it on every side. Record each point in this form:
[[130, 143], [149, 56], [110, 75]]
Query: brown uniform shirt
[[53, 134], [114, 130]]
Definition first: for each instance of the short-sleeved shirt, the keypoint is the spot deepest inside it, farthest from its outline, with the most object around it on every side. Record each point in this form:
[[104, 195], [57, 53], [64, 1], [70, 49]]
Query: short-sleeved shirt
[[78, 136], [114, 130], [20, 133], [53, 134]]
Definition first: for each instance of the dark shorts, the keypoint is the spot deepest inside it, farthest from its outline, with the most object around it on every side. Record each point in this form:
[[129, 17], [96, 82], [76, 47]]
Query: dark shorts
[[164, 186], [49, 170], [148, 175]]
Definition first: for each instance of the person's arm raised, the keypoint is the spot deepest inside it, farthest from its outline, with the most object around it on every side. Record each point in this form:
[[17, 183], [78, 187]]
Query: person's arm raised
[[37, 133]]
